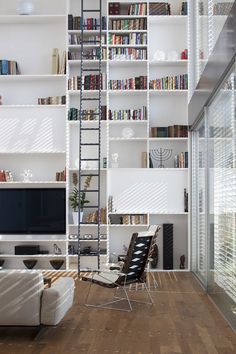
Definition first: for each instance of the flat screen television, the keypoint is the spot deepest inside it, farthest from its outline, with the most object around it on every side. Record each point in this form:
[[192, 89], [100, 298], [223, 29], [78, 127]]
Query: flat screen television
[[32, 211]]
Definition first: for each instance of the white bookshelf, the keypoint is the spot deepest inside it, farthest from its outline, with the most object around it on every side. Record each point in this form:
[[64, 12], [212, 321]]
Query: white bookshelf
[[56, 145]]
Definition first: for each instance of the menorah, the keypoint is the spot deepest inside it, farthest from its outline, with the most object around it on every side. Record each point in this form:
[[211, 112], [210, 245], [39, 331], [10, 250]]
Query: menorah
[[161, 155]]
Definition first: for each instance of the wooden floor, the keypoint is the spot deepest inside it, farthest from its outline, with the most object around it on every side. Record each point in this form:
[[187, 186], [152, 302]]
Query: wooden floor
[[183, 320]]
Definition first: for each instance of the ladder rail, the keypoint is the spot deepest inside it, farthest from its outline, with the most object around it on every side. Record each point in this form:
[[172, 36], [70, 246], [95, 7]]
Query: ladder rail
[[98, 130]]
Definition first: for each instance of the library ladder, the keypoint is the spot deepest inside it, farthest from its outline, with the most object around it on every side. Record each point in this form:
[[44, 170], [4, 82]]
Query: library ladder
[[91, 146]]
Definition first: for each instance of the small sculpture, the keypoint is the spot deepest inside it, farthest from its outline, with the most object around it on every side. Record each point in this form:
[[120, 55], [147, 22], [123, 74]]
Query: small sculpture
[[57, 249], [27, 174], [182, 261], [114, 163]]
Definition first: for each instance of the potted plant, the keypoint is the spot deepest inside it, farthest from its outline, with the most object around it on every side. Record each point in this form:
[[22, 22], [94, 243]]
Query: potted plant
[[79, 200]]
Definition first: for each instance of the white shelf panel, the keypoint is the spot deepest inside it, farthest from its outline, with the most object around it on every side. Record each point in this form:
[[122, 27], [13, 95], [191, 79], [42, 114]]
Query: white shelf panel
[[47, 77], [86, 31], [33, 256], [130, 121], [87, 225], [169, 169], [45, 106], [127, 62], [126, 16], [127, 45], [128, 225], [168, 63], [169, 139], [94, 241], [169, 213], [168, 20], [86, 122], [85, 92], [127, 92], [168, 92], [125, 139], [50, 184], [127, 31], [32, 19], [77, 62], [78, 46], [88, 169], [32, 152]]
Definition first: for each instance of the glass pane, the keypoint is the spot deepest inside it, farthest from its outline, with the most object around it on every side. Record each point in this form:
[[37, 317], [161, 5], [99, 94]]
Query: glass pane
[[222, 197], [198, 203]]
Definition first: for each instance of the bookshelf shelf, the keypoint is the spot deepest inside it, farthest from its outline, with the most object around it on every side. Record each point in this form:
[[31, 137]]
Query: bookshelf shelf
[[169, 139], [127, 46], [168, 92], [38, 256], [32, 152], [33, 19], [127, 92], [126, 139], [41, 106], [35, 184], [118, 122], [77, 62], [113, 17], [168, 20], [31, 77], [127, 31], [87, 92], [168, 63]]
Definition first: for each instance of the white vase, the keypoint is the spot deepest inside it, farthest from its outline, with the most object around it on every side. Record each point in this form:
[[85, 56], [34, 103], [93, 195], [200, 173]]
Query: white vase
[[25, 7], [75, 217]]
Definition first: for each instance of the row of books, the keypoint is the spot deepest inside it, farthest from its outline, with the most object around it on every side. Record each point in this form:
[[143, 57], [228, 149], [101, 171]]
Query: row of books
[[137, 9], [6, 176], [74, 38], [178, 82], [131, 38], [9, 67], [89, 82], [58, 64], [54, 100], [160, 9], [136, 219], [181, 160], [93, 217], [129, 114], [127, 54], [91, 23], [61, 176], [128, 24], [134, 83], [173, 131], [87, 114], [88, 54]]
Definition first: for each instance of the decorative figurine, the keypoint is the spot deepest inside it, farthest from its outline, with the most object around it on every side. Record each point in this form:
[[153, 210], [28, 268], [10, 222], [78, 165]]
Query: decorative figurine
[[27, 174], [57, 249]]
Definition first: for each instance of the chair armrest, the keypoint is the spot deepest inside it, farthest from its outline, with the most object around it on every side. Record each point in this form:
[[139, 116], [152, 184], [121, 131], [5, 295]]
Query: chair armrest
[[57, 300], [92, 270]]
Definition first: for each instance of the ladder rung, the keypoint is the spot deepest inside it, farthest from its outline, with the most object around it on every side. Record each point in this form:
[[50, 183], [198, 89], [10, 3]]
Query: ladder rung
[[89, 190], [90, 206], [88, 10], [89, 159], [89, 144], [91, 69], [92, 42], [90, 99], [89, 129], [89, 174]]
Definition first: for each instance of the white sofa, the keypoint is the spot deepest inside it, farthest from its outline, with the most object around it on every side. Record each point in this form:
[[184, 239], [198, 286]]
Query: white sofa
[[25, 302]]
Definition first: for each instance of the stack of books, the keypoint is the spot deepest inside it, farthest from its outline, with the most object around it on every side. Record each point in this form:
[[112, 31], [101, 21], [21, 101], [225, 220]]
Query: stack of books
[[181, 160], [131, 38], [134, 83], [178, 82], [184, 8], [91, 23], [55, 100], [93, 217], [126, 24], [114, 8], [136, 219], [6, 176], [61, 176], [58, 65], [129, 114], [127, 54], [75, 39], [137, 9], [173, 131], [89, 82], [87, 114], [159, 9], [9, 67], [89, 54]]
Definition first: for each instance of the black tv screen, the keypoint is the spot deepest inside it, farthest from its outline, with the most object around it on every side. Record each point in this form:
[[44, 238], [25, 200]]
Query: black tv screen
[[32, 211]]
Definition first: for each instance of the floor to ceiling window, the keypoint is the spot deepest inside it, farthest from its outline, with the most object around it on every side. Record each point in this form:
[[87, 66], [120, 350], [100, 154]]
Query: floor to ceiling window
[[214, 199]]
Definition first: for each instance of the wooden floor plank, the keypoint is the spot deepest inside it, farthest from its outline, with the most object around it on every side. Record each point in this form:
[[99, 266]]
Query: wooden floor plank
[[183, 321]]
